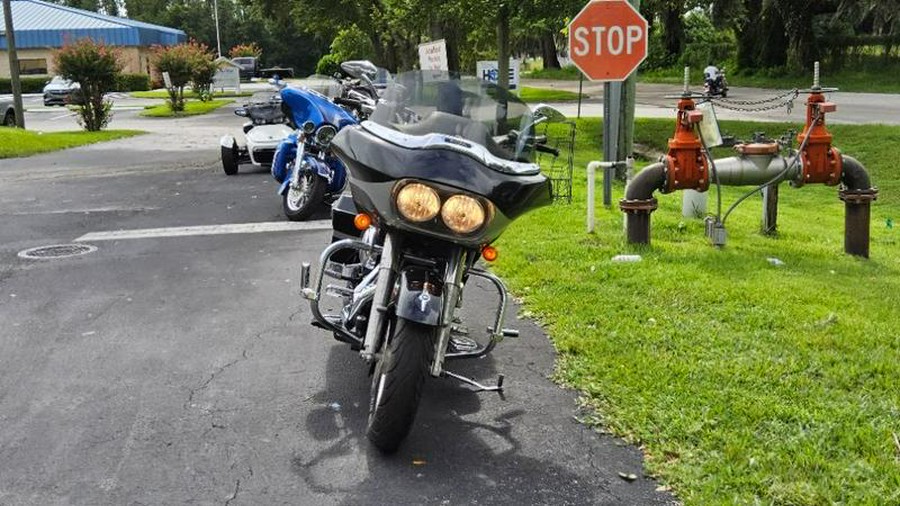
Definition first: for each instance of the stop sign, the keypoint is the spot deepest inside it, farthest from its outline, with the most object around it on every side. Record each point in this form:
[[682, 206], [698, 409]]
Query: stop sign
[[608, 40]]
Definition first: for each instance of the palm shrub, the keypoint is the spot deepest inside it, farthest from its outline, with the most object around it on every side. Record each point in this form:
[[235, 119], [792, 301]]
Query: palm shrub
[[96, 68]]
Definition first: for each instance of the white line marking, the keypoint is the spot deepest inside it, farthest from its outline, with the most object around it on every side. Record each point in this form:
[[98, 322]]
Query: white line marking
[[111, 209], [236, 228], [63, 116]]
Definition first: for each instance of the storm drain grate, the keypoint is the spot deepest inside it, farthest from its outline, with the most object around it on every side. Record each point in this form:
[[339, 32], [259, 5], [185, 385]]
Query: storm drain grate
[[57, 251]]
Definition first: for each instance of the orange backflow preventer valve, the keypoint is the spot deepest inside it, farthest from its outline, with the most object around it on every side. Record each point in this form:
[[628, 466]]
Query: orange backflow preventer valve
[[821, 163], [686, 167]]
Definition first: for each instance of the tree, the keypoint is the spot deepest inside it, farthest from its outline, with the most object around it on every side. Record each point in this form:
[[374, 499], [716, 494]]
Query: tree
[[95, 67], [178, 62]]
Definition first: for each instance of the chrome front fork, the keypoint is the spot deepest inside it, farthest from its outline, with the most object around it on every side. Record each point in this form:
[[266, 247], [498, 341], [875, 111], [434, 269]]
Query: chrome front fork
[[298, 163], [383, 288], [456, 268]]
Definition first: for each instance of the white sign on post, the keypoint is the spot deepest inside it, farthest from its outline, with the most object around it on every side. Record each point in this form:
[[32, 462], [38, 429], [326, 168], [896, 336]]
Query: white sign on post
[[433, 58], [489, 69], [167, 80], [228, 76]]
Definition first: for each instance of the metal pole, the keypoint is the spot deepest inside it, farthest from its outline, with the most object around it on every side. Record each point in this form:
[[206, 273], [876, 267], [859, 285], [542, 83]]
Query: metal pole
[[612, 95], [625, 146], [13, 65], [580, 84], [218, 37]]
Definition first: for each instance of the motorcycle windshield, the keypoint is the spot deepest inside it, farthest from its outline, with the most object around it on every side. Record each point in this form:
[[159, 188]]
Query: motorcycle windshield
[[425, 102]]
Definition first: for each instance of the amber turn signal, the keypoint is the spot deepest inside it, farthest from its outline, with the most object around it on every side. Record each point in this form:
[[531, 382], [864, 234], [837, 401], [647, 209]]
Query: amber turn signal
[[489, 253], [362, 221]]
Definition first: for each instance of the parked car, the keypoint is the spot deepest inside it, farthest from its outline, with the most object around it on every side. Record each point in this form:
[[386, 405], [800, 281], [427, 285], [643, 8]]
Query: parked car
[[249, 67], [61, 91], [7, 112]]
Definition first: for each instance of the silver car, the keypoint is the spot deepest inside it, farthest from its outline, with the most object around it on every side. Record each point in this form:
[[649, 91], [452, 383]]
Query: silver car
[[7, 112], [60, 91]]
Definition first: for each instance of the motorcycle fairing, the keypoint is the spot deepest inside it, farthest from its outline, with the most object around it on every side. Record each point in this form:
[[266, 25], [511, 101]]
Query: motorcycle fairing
[[307, 105]]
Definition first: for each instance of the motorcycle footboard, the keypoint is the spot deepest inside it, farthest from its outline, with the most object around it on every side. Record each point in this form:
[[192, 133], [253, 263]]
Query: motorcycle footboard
[[311, 289]]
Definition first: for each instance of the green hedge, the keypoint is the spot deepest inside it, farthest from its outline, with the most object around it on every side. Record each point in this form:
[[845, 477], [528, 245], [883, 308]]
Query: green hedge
[[133, 82], [29, 85]]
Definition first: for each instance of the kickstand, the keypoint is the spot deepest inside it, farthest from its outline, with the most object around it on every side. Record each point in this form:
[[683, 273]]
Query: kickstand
[[478, 386]]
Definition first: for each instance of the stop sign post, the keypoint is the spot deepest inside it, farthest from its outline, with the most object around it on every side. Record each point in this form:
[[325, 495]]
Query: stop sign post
[[607, 42]]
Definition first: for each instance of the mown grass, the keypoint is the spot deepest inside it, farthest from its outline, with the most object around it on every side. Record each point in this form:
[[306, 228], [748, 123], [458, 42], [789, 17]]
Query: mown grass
[[191, 108], [745, 382], [163, 94], [15, 142], [528, 94]]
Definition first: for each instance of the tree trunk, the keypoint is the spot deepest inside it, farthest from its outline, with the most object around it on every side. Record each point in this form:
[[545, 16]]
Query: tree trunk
[[503, 46], [548, 51], [673, 36]]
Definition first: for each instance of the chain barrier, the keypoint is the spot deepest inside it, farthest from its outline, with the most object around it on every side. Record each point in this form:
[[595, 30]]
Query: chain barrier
[[766, 104]]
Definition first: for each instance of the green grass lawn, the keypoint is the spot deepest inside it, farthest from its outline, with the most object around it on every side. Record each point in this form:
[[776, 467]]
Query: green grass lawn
[[191, 108], [744, 382], [163, 94], [15, 142], [528, 94]]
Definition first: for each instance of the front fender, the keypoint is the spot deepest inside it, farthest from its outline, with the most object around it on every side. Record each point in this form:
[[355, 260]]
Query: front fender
[[284, 155], [415, 302], [227, 141]]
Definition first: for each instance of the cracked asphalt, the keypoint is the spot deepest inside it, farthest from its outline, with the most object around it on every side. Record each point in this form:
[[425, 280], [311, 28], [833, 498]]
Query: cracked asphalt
[[184, 370]]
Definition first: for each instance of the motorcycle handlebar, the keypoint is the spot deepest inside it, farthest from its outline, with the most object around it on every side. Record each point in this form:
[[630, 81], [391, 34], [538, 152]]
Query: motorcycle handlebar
[[356, 104], [542, 148]]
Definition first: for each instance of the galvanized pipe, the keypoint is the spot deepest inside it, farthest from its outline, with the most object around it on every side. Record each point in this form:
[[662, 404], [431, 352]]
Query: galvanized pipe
[[755, 170]]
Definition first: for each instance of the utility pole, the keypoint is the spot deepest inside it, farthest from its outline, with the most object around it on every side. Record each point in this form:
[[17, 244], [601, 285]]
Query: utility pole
[[13, 65], [218, 37]]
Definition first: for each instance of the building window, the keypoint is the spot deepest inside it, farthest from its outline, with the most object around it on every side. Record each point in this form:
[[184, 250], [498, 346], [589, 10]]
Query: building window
[[33, 66]]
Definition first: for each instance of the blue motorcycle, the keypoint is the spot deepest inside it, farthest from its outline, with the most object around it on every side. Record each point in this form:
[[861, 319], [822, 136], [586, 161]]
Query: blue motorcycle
[[304, 165]]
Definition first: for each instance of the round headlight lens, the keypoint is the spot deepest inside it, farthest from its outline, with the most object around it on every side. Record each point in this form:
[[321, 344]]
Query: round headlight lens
[[309, 127], [418, 203], [463, 214], [324, 134]]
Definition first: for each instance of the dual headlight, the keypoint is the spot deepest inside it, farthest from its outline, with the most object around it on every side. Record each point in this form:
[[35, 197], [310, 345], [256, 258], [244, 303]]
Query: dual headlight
[[419, 203]]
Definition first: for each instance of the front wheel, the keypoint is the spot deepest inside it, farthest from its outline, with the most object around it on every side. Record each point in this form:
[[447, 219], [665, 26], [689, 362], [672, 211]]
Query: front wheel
[[299, 203], [10, 119], [229, 160], [397, 383]]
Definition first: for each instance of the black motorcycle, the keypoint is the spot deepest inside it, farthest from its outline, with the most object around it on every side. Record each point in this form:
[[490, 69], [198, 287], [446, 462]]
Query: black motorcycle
[[717, 85], [442, 167]]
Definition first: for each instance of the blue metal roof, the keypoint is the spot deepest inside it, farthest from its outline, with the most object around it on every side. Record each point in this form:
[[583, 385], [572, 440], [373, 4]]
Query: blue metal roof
[[40, 24]]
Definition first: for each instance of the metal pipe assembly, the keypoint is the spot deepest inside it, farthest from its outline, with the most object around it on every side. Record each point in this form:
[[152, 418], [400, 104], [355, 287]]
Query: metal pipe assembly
[[762, 163]]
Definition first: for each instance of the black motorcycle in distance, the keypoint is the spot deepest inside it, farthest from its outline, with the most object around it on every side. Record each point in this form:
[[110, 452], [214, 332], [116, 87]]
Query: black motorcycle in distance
[[716, 85], [442, 167]]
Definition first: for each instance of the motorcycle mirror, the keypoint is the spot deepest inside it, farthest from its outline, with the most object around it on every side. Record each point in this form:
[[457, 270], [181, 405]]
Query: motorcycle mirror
[[544, 112], [359, 68]]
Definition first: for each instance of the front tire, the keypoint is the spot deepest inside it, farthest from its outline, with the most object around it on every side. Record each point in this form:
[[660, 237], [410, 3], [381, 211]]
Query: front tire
[[10, 119], [229, 160], [299, 203], [397, 383]]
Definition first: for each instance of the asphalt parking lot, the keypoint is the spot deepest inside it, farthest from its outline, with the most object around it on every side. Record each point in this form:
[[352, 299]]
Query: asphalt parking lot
[[179, 366]]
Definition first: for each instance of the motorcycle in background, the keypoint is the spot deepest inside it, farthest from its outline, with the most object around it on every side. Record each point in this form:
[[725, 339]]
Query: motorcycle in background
[[441, 168], [263, 131], [304, 165], [715, 84]]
